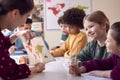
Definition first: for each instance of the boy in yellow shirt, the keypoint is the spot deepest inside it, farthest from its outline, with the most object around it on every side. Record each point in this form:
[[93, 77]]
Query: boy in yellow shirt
[[76, 41]]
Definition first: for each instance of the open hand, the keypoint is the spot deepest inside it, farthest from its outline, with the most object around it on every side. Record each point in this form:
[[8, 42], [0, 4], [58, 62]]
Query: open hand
[[99, 73]]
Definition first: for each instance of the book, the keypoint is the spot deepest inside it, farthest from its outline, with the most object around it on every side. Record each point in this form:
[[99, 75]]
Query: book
[[37, 51]]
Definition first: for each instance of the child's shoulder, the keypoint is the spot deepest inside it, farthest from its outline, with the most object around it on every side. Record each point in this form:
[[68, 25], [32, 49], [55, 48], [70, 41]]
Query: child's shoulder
[[81, 33]]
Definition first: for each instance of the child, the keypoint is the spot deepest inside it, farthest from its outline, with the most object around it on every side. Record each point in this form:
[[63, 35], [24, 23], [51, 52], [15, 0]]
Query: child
[[111, 64], [96, 25], [18, 43], [64, 32], [73, 19], [12, 14]]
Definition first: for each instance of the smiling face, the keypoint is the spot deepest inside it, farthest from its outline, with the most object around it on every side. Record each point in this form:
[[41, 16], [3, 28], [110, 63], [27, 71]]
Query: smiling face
[[112, 46], [94, 30]]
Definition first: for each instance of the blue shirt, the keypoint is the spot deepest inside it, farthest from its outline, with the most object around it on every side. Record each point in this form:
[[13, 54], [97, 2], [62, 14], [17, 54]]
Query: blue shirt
[[18, 42]]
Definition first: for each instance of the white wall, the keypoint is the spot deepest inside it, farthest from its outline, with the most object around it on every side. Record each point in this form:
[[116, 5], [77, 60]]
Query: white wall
[[110, 7]]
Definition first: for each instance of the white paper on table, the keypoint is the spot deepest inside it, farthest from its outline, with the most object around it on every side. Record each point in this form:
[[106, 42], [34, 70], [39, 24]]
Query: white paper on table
[[37, 51], [89, 77]]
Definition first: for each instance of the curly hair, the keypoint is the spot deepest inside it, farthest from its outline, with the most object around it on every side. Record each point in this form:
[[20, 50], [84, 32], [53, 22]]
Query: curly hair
[[60, 20], [74, 16]]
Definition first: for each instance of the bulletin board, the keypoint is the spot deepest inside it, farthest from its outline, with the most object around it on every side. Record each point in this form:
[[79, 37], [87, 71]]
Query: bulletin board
[[38, 13], [55, 8], [38, 17]]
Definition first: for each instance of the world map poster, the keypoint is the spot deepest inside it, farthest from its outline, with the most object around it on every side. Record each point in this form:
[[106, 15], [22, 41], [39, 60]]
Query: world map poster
[[55, 8]]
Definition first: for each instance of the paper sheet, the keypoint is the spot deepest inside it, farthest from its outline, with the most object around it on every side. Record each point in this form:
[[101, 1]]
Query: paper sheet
[[66, 64], [89, 77]]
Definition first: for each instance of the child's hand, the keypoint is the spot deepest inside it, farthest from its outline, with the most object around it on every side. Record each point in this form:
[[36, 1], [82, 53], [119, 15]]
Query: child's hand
[[74, 69], [53, 48], [96, 73], [11, 49], [25, 35], [99, 73], [28, 34]]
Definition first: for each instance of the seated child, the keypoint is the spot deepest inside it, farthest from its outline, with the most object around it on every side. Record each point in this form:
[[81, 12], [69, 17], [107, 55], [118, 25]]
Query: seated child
[[26, 26], [18, 43], [109, 67], [76, 41], [96, 25], [64, 35]]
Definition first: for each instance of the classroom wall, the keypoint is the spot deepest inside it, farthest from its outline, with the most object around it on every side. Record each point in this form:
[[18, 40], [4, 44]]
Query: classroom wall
[[110, 7]]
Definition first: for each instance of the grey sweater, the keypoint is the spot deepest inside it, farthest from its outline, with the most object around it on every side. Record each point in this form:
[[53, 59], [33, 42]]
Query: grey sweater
[[93, 51]]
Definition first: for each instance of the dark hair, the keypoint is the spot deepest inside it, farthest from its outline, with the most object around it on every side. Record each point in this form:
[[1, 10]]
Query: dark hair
[[60, 20], [74, 16], [23, 6], [116, 35], [28, 21], [98, 17]]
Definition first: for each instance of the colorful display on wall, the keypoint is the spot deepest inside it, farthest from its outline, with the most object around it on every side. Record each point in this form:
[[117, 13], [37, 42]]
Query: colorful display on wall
[[55, 8]]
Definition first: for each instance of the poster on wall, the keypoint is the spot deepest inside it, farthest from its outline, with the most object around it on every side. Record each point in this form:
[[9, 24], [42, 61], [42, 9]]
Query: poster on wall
[[38, 16], [55, 8], [38, 13]]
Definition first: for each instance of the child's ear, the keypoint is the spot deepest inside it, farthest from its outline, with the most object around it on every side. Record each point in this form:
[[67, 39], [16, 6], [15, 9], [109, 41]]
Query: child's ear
[[104, 26]]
